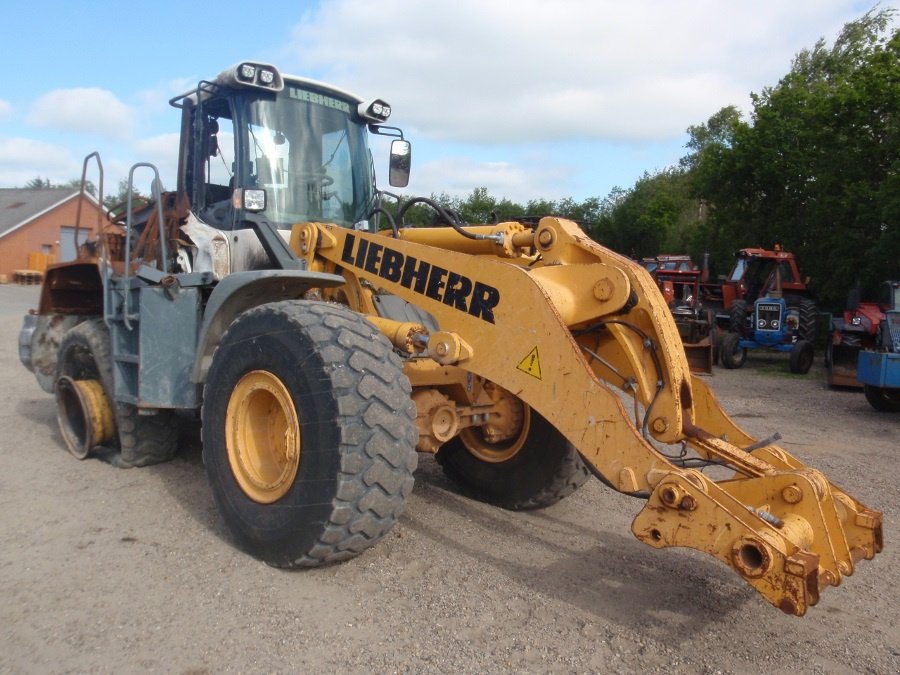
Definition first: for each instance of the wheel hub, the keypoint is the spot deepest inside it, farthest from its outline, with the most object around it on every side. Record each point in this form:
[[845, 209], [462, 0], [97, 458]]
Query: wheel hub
[[263, 437], [503, 437]]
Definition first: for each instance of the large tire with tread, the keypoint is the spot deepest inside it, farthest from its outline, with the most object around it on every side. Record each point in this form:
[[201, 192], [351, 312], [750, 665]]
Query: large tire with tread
[[714, 339], [883, 399], [807, 314], [534, 470], [308, 433], [140, 440], [801, 357], [733, 356], [737, 318]]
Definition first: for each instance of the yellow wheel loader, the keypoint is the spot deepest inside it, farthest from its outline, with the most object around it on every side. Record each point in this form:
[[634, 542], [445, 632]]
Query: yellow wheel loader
[[324, 343]]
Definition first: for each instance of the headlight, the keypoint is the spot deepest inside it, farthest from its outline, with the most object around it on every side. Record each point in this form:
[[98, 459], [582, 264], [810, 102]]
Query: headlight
[[247, 72], [251, 200], [376, 111]]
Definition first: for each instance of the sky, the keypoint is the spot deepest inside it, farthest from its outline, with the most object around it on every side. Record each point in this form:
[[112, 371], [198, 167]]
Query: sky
[[530, 99]]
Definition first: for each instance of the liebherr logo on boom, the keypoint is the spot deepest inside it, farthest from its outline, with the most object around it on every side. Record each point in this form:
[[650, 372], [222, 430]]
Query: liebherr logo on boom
[[453, 289]]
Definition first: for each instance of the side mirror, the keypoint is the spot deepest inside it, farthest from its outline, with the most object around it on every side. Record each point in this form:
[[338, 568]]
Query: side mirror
[[401, 156]]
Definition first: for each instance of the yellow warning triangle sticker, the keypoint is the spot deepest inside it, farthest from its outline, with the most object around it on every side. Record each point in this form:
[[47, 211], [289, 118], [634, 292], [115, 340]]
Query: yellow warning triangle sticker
[[531, 364]]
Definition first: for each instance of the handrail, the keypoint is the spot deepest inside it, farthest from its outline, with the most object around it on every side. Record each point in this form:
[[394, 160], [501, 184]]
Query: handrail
[[128, 227], [101, 240]]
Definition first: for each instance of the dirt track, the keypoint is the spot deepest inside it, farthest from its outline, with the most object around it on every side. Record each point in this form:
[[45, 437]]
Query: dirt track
[[111, 570]]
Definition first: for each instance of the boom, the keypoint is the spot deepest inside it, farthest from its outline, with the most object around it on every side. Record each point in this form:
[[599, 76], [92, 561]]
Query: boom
[[579, 334]]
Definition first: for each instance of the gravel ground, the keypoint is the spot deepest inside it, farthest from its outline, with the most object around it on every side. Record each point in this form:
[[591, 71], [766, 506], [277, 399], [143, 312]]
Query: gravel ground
[[107, 570]]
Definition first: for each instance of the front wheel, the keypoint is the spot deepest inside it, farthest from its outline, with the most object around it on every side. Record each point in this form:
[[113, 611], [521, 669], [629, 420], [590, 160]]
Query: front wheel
[[534, 468], [882, 398], [801, 357], [308, 433], [733, 356]]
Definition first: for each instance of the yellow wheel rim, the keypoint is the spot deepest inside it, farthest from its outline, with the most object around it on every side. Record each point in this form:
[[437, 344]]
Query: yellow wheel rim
[[262, 435], [494, 453]]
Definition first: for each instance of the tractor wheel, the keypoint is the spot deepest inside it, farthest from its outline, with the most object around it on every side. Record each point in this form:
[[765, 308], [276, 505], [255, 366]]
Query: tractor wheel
[[85, 386], [801, 357], [308, 433], [733, 356], [737, 318], [84, 362], [714, 339], [883, 399], [807, 316], [535, 468]]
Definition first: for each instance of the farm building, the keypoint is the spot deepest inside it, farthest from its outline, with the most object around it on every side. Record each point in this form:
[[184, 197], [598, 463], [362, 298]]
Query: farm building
[[37, 228]]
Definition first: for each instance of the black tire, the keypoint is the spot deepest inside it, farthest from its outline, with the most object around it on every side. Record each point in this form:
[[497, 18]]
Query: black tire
[[714, 338], [733, 356], [140, 440], [737, 318], [84, 354], [801, 357], [545, 469], [883, 399], [807, 315], [314, 389]]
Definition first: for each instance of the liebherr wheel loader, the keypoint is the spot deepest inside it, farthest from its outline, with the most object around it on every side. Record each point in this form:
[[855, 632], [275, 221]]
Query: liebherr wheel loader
[[324, 344]]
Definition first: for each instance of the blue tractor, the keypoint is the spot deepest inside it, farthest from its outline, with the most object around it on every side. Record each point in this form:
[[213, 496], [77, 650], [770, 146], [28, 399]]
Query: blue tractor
[[776, 326], [879, 367]]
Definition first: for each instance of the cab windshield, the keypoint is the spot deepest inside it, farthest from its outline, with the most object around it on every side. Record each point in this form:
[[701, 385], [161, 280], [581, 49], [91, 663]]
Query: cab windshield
[[308, 150]]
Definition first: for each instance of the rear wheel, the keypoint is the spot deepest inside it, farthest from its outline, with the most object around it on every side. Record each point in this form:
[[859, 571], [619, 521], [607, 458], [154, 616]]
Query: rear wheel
[[807, 316], [882, 398], [801, 357], [714, 339], [308, 433], [534, 468], [732, 354], [737, 318], [84, 373]]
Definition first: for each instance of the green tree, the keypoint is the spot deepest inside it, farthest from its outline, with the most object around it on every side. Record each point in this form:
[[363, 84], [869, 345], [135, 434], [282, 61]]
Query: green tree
[[816, 167], [39, 183], [657, 215]]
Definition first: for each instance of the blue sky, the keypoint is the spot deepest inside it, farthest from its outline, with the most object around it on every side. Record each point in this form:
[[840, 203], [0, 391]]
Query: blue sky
[[530, 99]]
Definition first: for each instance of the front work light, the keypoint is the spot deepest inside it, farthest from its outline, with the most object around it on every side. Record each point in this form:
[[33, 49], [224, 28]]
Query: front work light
[[250, 199]]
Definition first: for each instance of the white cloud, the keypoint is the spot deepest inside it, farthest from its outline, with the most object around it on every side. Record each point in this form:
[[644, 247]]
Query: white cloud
[[86, 110], [497, 71], [519, 181], [5, 109], [22, 159], [162, 152]]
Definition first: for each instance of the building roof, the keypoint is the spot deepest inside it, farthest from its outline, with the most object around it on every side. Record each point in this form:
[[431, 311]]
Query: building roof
[[19, 206]]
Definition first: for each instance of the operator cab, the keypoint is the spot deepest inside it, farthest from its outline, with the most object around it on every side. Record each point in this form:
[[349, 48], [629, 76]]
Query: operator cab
[[257, 146]]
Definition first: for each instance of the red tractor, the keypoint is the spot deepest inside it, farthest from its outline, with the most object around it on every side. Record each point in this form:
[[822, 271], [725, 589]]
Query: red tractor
[[856, 331], [678, 277], [756, 274]]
